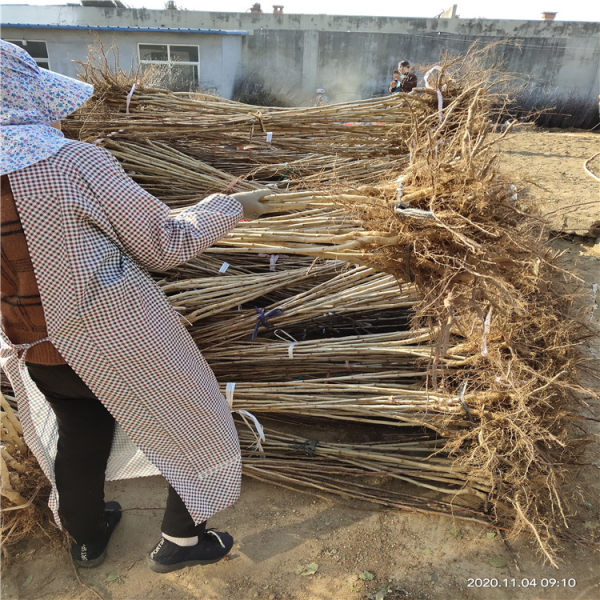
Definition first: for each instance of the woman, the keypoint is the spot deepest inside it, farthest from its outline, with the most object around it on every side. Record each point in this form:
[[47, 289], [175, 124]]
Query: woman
[[87, 337]]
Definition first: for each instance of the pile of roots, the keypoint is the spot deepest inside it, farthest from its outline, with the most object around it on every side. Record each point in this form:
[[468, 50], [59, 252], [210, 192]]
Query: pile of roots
[[491, 289], [395, 321]]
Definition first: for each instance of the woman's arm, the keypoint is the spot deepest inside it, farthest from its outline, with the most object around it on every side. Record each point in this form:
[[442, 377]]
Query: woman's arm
[[144, 225]]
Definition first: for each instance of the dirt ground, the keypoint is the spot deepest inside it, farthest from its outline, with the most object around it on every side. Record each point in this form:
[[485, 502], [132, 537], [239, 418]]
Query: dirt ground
[[363, 554], [547, 165]]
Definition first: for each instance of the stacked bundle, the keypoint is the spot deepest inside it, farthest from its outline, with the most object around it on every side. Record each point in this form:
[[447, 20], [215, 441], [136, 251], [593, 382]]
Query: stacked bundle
[[403, 341], [181, 145], [324, 356], [460, 381]]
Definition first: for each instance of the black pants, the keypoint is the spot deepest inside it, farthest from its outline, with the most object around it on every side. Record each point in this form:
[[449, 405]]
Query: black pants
[[85, 433]]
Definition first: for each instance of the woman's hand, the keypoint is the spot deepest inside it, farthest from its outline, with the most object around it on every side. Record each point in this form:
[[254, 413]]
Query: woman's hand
[[251, 202]]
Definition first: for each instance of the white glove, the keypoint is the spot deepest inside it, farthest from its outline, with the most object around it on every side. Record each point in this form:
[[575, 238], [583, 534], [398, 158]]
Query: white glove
[[251, 202]]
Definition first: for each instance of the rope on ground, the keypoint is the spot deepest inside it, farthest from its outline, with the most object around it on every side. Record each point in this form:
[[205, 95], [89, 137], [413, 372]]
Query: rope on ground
[[585, 166]]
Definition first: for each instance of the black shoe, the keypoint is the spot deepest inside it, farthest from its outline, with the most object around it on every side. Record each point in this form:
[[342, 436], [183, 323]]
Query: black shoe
[[212, 546], [92, 554]]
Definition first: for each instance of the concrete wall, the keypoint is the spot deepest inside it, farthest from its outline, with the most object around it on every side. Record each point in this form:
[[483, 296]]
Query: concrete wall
[[78, 15], [360, 64], [353, 56]]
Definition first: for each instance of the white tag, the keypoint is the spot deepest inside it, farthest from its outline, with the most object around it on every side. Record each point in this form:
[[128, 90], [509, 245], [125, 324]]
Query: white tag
[[291, 350], [259, 429], [428, 75], [273, 261], [399, 188], [129, 98], [229, 389], [269, 136], [224, 267]]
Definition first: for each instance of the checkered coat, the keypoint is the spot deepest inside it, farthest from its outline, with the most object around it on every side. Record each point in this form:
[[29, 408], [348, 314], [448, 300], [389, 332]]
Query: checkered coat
[[92, 232]]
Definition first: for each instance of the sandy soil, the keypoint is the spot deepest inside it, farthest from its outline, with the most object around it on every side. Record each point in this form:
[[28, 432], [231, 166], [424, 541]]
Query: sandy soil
[[361, 554], [547, 165]]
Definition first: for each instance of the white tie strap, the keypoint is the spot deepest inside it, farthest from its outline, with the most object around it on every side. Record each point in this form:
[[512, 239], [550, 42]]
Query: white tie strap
[[259, 434], [229, 389], [128, 100]]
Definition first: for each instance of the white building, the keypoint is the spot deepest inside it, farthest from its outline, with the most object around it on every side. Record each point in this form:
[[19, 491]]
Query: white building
[[182, 58]]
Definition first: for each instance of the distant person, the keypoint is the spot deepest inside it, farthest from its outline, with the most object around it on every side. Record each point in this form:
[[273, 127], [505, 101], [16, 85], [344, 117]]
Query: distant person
[[395, 84], [408, 80]]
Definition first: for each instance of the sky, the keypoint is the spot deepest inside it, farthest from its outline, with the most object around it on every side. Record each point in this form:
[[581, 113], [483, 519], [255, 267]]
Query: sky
[[567, 10]]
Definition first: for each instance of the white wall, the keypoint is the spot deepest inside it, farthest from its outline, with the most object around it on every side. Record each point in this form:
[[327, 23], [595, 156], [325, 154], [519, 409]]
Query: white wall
[[220, 56]]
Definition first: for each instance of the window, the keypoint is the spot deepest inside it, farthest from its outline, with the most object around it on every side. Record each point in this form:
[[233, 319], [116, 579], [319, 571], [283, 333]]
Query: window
[[172, 65], [37, 50]]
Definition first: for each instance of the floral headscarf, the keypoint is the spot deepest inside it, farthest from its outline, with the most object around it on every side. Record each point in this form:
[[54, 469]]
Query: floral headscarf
[[31, 100]]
